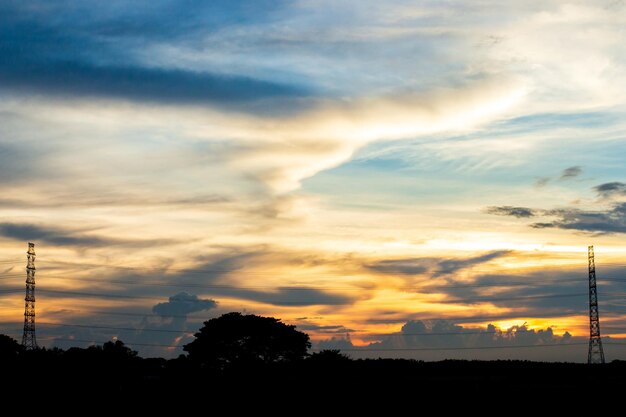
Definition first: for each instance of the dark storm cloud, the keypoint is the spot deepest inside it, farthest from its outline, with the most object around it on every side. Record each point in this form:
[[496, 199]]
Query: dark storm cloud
[[436, 266], [74, 50], [182, 304], [571, 172], [611, 189], [612, 220], [519, 212]]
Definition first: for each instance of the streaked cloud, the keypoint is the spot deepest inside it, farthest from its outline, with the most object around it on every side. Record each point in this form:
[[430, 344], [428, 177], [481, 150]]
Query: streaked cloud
[[519, 212], [52, 235], [63, 57], [434, 266]]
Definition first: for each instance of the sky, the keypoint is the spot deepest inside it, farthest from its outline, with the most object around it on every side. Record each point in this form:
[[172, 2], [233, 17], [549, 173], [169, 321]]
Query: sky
[[402, 178]]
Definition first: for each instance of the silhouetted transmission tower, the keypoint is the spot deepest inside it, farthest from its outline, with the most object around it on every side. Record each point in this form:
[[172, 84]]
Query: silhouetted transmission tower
[[596, 353], [29, 341]]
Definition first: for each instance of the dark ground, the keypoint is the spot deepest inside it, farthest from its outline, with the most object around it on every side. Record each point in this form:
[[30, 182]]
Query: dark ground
[[94, 376]]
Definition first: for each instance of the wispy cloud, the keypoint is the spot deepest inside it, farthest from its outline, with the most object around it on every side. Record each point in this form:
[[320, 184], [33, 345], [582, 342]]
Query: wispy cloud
[[434, 266], [67, 237], [611, 189], [612, 220], [62, 57], [51, 235], [519, 212], [571, 172]]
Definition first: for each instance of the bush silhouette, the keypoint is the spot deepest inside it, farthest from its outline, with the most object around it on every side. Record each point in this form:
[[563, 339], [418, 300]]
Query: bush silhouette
[[9, 348], [117, 349], [332, 356], [236, 339]]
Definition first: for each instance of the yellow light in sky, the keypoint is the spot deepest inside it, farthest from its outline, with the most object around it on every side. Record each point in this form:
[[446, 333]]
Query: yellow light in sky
[[507, 324]]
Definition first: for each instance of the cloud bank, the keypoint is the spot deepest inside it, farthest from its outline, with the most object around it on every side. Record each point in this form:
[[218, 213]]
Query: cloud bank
[[182, 304]]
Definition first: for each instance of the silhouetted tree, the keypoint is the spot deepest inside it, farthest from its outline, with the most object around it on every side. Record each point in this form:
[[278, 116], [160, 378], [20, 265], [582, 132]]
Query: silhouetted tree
[[118, 350], [9, 347], [235, 339], [329, 356]]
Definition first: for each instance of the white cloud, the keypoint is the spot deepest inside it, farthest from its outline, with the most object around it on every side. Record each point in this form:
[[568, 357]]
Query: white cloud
[[278, 151]]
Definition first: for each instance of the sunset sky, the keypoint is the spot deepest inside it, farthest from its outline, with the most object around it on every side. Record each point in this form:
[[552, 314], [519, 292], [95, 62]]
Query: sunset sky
[[368, 171]]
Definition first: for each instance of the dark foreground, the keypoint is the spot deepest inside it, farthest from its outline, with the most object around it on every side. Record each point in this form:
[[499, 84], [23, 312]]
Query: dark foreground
[[314, 383]]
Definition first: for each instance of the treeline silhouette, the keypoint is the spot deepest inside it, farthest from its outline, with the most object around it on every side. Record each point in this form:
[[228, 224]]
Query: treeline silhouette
[[251, 360]]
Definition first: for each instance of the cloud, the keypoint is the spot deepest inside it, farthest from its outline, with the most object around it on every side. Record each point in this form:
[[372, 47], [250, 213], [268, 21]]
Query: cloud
[[571, 172], [305, 325], [605, 220], [519, 212], [543, 293], [15, 164], [293, 297], [542, 182], [51, 235], [117, 200], [441, 339], [182, 304], [450, 266], [611, 189], [62, 57], [612, 220], [154, 85], [281, 153], [224, 274], [522, 294], [57, 236], [436, 266], [335, 342], [408, 266], [446, 334], [258, 155]]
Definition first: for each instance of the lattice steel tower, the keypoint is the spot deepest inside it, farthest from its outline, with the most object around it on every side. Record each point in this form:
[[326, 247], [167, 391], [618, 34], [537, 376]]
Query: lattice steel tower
[[596, 353], [29, 341]]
